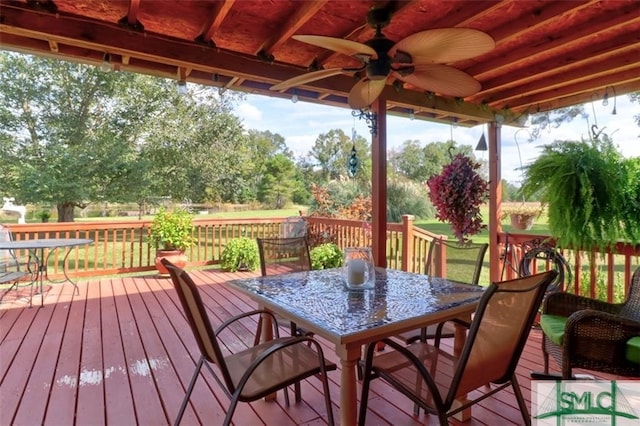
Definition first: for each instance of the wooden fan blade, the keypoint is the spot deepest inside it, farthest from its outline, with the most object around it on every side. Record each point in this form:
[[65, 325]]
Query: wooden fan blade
[[348, 47], [442, 79], [365, 92], [445, 45], [306, 78]]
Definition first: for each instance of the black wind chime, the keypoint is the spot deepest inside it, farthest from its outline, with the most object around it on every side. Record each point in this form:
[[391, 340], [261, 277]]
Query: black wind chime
[[353, 158]]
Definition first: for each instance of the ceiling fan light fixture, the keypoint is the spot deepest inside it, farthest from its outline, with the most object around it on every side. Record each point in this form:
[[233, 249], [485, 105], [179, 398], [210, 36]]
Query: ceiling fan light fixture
[[606, 96], [181, 87], [106, 63]]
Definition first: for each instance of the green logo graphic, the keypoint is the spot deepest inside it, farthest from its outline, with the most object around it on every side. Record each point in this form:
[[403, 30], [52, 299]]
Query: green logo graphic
[[585, 402]]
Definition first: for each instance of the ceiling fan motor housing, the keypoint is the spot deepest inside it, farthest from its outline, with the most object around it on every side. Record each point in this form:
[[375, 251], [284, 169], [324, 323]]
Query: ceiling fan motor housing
[[379, 69]]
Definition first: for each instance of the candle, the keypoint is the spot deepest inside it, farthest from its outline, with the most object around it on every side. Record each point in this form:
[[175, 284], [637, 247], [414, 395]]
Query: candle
[[355, 271]]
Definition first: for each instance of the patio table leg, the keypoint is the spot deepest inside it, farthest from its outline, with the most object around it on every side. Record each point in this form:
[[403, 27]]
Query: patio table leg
[[349, 356]]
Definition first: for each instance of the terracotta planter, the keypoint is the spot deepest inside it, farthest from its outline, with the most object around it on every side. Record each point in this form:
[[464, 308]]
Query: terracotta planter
[[177, 257], [521, 221]]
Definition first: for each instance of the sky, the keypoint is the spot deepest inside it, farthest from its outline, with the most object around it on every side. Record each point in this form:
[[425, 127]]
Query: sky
[[301, 123]]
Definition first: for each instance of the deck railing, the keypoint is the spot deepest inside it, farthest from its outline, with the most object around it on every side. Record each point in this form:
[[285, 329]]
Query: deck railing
[[597, 274], [122, 247]]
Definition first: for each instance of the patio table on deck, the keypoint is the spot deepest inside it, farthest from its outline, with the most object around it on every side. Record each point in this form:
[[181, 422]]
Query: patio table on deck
[[401, 301], [37, 248]]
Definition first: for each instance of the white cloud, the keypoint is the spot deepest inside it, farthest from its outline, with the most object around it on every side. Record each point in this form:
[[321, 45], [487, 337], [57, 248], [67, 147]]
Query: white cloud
[[250, 115]]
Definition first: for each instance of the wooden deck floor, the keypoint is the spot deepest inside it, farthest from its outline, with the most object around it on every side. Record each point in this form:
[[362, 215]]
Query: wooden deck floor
[[121, 353]]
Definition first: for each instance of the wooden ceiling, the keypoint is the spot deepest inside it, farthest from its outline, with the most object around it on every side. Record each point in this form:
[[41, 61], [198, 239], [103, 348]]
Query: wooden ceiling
[[549, 54]]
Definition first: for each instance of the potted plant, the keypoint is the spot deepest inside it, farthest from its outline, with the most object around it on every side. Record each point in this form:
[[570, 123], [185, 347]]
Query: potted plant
[[325, 256], [590, 191], [240, 254], [171, 232], [521, 215], [457, 194]]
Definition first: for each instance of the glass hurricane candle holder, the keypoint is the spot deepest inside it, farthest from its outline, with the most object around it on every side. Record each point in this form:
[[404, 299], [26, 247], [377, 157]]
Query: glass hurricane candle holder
[[358, 269]]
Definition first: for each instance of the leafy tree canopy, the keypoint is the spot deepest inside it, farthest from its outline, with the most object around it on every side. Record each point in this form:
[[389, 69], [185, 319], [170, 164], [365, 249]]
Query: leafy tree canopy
[[72, 134]]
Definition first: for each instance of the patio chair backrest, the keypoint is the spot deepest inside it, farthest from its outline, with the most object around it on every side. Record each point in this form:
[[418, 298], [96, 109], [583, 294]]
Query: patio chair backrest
[[198, 319], [283, 255], [499, 331], [631, 306], [463, 260], [294, 226], [7, 257]]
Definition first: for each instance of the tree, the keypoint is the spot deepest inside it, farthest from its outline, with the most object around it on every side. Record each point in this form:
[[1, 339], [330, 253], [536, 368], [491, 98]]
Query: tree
[[72, 134], [277, 184], [408, 161], [330, 156], [264, 146], [197, 149], [72, 130], [419, 163]]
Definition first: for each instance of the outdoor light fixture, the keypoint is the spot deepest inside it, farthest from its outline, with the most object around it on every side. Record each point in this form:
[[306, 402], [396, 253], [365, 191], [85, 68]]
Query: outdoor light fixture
[[294, 98], [412, 114], [182, 87], [106, 63], [605, 99]]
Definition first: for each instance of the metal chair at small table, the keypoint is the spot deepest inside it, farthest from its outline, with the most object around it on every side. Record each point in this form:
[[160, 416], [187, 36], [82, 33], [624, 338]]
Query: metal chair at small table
[[37, 249]]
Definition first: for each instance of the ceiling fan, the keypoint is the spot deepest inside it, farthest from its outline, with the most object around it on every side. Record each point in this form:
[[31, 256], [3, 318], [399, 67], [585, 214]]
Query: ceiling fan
[[417, 60]]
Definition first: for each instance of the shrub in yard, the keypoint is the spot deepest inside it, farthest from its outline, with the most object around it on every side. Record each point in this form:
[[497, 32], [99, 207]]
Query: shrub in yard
[[326, 256], [240, 254]]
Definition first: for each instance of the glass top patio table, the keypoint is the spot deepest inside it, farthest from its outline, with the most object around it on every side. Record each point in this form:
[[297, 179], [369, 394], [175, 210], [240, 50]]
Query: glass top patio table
[[322, 298], [319, 301]]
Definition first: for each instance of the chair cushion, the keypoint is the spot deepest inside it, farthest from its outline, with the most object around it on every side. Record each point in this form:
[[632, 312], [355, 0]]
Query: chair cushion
[[553, 327], [633, 350]]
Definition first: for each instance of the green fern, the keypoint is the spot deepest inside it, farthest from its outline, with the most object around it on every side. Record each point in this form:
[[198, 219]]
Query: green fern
[[587, 188]]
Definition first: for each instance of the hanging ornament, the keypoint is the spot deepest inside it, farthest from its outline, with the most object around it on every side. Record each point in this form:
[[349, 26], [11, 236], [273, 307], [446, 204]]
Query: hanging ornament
[[353, 158], [353, 162]]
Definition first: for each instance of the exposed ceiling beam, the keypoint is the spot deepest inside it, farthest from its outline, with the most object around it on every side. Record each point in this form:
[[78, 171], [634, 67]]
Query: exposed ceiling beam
[[132, 15], [576, 72], [220, 12], [562, 42], [305, 11]]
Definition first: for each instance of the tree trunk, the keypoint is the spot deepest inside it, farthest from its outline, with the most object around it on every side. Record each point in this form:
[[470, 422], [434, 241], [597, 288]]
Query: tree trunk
[[65, 212]]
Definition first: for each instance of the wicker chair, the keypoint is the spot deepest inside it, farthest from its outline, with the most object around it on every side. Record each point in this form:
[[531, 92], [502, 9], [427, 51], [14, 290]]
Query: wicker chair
[[463, 264], [433, 378], [255, 372], [580, 332]]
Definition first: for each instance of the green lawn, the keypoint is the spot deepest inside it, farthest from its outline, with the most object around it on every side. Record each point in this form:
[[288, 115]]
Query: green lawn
[[540, 226]]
